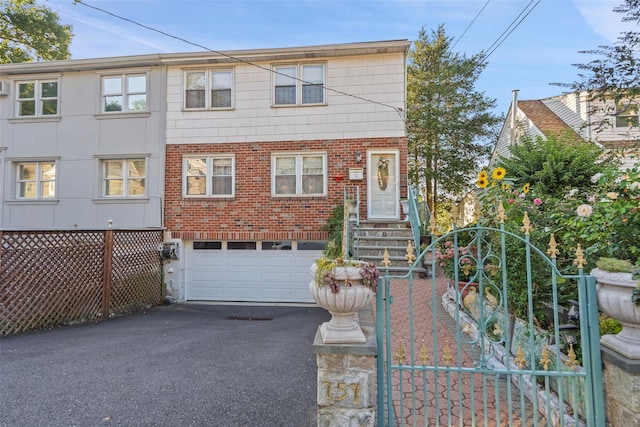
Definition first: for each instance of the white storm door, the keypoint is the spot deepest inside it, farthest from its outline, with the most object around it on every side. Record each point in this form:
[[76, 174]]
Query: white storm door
[[383, 189]]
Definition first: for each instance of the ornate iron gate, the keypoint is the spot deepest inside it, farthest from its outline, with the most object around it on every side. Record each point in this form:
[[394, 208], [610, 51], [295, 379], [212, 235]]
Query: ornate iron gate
[[495, 349]]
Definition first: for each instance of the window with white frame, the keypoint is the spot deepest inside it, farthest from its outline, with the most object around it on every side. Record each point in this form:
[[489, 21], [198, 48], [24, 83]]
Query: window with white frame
[[124, 178], [299, 84], [36, 180], [218, 83], [37, 98], [299, 174], [627, 115], [124, 93], [209, 176]]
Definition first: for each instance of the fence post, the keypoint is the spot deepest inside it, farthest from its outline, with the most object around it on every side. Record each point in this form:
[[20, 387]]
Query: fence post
[[106, 272]]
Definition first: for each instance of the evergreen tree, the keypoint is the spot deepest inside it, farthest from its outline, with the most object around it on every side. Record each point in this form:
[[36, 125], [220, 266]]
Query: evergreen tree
[[449, 124], [30, 31]]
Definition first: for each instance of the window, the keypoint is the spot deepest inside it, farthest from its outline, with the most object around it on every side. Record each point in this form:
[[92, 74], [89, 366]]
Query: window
[[299, 174], [627, 115], [37, 98], [209, 176], [124, 93], [218, 83], [124, 178], [299, 84], [36, 180]]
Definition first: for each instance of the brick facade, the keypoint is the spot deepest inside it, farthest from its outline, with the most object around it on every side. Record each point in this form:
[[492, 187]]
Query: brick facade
[[253, 214]]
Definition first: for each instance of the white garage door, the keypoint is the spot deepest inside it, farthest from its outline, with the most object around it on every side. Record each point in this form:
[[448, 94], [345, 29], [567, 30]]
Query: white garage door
[[250, 271]]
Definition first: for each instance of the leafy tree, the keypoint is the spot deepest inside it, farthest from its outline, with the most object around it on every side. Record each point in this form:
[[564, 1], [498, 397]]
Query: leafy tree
[[31, 31], [554, 164], [449, 124], [615, 75]]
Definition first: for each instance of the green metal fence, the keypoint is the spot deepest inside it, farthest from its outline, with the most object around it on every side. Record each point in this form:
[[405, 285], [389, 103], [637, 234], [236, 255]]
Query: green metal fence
[[498, 342]]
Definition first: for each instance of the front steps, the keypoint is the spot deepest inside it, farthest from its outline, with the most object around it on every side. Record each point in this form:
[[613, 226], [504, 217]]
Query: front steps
[[372, 237]]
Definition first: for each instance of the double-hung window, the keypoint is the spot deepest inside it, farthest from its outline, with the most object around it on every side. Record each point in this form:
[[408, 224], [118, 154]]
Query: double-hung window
[[124, 93], [296, 174], [627, 115], [37, 98], [209, 176], [124, 178], [299, 84], [208, 89], [36, 180]]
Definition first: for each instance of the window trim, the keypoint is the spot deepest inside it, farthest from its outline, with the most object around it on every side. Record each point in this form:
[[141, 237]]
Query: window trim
[[208, 176], [299, 83], [630, 111], [124, 91], [38, 181], [208, 88], [125, 178], [299, 155], [38, 99]]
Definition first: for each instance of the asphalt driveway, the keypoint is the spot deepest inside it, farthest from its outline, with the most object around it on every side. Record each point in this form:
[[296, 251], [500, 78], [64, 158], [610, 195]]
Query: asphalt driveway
[[180, 365]]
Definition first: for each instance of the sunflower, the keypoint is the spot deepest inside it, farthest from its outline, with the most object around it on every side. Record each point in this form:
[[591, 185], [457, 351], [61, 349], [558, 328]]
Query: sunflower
[[525, 189], [482, 182], [483, 175], [498, 173], [505, 186]]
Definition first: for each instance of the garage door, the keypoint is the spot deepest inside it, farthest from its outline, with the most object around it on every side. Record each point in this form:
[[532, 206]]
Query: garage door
[[250, 271]]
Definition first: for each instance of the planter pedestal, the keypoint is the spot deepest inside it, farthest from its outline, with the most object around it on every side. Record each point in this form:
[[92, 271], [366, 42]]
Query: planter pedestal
[[614, 292]]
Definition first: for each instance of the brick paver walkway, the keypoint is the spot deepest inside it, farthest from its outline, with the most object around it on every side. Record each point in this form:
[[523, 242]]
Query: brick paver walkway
[[439, 398]]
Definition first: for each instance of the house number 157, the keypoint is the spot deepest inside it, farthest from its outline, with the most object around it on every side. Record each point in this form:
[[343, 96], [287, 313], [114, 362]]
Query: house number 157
[[340, 391]]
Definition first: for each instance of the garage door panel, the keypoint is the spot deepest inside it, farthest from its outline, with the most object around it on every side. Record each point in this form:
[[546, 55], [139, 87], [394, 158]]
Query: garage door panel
[[248, 275]]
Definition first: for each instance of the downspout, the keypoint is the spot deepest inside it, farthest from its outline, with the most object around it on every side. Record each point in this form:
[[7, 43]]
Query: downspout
[[514, 107]]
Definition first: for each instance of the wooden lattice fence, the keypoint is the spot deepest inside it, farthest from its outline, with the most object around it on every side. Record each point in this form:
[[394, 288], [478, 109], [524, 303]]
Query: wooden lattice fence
[[52, 278]]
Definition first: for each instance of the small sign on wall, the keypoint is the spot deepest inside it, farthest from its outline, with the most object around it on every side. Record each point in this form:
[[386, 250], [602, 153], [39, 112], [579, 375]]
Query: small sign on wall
[[356, 174]]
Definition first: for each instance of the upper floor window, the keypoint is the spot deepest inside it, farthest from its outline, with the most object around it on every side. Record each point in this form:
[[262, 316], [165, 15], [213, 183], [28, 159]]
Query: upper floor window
[[298, 174], [124, 177], [36, 180], [124, 93], [37, 98], [217, 83], [299, 84], [627, 115], [209, 176]]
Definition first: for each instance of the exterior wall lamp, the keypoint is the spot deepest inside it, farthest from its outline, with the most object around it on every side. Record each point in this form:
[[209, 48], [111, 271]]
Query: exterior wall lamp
[[358, 156]]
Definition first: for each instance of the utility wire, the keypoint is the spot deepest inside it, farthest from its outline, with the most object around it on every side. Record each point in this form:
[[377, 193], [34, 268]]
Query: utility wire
[[500, 39], [469, 26], [396, 109]]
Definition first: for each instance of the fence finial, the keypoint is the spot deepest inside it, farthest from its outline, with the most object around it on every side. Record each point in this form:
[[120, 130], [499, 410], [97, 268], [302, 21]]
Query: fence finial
[[385, 258], [526, 227], [579, 261], [502, 217], [410, 257], [553, 251]]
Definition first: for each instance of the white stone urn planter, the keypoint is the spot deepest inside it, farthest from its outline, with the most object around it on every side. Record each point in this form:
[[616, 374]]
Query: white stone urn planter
[[614, 299], [343, 305]]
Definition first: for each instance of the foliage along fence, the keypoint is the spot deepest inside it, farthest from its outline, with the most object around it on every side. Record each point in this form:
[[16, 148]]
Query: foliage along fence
[[52, 278]]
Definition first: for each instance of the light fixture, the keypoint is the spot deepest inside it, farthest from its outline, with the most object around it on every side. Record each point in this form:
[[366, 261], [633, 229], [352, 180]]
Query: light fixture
[[358, 156]]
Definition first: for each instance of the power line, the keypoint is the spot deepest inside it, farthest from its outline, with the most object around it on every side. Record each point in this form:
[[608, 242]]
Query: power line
[[500, 39], [469, 26], [396, 109]]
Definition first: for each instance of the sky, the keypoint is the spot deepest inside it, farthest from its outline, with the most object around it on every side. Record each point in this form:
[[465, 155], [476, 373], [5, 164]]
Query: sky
[[532, 43]]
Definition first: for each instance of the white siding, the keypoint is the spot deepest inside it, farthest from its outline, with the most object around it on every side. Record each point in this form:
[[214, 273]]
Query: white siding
[[380, 77]]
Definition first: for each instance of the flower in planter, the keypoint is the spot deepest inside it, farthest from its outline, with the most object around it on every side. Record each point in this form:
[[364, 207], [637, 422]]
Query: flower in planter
[[329, 269]]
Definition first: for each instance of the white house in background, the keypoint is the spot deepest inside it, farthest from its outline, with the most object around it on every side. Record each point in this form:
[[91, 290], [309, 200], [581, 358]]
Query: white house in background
[[573, 113], [82, 143]]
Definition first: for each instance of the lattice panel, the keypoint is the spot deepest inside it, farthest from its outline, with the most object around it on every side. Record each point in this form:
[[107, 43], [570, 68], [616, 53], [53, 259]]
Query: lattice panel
[[51, 278], [48, 278], [136, 280]]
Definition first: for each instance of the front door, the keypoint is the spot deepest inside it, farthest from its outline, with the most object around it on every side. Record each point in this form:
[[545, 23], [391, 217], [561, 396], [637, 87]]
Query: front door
[[383, 184]]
